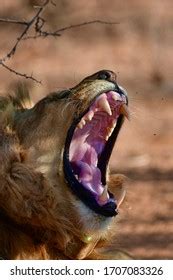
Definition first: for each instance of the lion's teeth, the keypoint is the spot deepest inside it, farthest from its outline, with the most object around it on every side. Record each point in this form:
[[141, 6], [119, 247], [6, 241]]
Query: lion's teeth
[[81, 123], [116, 96], [104, 105], [89, 115], [106, 137], [110, 131], [103, 198], [125, 111], [121, 197]]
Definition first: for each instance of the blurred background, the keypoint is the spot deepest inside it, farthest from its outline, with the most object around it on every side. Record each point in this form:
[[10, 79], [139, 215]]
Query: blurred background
[[139, 49]]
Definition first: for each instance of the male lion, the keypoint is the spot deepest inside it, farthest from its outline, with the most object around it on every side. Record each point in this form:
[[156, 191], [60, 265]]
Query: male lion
[[57, 199]]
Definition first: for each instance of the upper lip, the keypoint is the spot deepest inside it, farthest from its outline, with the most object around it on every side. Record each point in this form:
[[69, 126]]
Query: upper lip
[[101, 103]]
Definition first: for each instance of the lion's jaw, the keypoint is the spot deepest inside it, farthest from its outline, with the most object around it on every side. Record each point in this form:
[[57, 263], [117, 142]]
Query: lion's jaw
[[43, 133]]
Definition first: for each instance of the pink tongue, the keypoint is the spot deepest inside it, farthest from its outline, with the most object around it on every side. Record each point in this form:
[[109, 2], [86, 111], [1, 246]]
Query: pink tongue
[[84, 164], [84, 161], [88, 175]]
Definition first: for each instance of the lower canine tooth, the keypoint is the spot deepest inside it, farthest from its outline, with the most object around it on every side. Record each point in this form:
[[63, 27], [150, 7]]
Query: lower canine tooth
[[125, 111], [103, 198], [121, 197]]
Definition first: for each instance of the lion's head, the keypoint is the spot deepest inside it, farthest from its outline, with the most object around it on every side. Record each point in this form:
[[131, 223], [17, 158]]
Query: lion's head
[[68, 137]]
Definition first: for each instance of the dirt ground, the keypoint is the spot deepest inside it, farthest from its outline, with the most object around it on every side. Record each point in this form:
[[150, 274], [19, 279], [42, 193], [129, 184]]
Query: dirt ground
[[147, 231], [145, 156], [139, 50]]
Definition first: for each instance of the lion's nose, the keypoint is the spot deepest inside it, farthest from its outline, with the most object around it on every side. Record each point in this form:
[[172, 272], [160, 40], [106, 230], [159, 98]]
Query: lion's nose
[[107, 75], [110, 76]]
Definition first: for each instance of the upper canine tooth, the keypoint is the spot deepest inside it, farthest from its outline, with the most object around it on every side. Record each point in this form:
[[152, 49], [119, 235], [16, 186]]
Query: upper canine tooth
[[125, 111], [104, 105], [116, 96]]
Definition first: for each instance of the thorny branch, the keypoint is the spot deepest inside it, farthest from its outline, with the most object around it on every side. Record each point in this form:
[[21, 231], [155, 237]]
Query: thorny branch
[[37, 22], [20, 74], [14, 48], [56, 33], [9, 20], [29, 24]]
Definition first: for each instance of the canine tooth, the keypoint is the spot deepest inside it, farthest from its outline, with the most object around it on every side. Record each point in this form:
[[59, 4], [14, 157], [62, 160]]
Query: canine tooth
[[104, 105], [125, 111], [116, 97], [121, 197], [103, 198]]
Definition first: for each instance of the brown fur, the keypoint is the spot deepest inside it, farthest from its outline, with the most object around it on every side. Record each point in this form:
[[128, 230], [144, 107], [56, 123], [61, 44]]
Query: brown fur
[[39, 216]]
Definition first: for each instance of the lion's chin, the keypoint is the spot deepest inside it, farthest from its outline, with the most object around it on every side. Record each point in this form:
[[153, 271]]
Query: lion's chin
[[89, 145]]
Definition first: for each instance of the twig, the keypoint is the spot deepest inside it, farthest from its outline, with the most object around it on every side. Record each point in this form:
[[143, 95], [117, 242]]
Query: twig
[[85, 23], [29, 24], [19, 39], [38, 23], [15, 21], [56, 33], [19, 73]]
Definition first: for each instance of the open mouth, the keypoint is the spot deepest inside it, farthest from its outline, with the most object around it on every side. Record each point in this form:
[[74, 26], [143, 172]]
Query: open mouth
[[89, 145]]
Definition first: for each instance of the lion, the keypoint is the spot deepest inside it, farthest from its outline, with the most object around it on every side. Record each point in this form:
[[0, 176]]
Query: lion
[[57, 197]]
